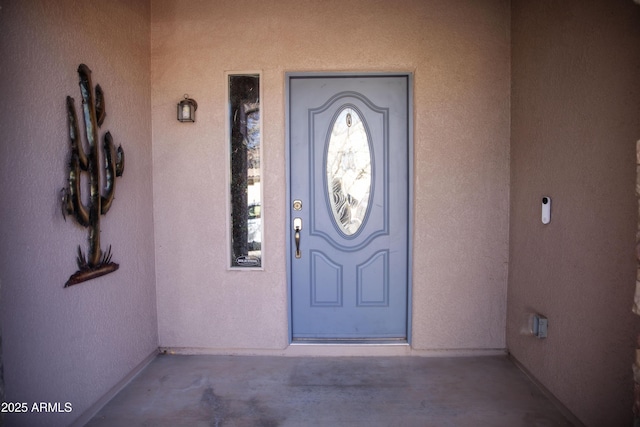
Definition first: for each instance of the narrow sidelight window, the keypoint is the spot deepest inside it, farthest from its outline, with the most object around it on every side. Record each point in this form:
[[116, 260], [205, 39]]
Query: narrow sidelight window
[[245, 171]]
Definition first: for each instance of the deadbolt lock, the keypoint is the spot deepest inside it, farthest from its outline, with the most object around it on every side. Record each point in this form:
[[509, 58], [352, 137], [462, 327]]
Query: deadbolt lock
[[297, 205]]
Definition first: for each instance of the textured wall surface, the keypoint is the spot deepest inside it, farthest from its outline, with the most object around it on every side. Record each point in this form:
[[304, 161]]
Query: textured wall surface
[[575, 121], [72, 345], [574, 114], [459, 54]]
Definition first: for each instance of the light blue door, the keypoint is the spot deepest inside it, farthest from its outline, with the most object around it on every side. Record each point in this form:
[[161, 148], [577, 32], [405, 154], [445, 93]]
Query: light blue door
[[348, 213]]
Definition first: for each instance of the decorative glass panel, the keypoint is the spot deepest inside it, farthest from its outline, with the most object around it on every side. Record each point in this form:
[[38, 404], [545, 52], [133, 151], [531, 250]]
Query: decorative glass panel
[[349, 171], [246, 205]]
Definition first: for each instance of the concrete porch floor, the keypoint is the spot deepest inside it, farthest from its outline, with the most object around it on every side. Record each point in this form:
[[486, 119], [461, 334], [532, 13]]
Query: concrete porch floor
[[204, 390]]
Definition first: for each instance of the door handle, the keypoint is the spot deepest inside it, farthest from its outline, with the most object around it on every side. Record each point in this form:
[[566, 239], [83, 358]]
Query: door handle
[[297, 226]]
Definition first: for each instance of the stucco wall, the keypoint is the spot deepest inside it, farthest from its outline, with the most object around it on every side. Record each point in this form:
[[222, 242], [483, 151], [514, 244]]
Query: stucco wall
[[74, 344], [575, 122], [459, 54], [574, 126]]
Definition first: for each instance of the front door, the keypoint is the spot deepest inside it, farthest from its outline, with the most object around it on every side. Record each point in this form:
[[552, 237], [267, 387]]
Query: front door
[[348, 214]]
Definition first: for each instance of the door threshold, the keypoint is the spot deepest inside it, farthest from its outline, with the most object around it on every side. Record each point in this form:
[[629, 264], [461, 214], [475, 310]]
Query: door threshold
[[351, 341]]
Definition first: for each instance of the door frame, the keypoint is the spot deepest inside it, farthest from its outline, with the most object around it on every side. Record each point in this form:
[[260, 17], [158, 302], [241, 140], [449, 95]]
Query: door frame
[[410, 189]]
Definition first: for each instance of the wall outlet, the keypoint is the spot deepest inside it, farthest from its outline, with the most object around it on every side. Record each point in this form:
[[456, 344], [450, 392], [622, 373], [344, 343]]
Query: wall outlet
[[540, 324]]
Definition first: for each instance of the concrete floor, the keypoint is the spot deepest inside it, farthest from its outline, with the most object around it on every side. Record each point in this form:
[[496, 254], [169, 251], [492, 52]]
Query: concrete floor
[[199, 390]]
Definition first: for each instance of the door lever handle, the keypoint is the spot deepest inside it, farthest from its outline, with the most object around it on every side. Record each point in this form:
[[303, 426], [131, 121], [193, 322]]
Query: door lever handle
[[297, 226]]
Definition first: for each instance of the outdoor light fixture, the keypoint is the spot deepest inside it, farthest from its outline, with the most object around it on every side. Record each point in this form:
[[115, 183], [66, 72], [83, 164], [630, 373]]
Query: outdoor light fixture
[[187, 109]]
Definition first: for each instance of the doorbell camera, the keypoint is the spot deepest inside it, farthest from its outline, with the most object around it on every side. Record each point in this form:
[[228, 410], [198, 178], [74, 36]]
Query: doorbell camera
[[546, 210]]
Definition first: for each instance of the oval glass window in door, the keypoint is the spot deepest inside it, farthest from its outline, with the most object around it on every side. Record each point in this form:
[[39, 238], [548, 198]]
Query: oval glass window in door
[[349, 171]]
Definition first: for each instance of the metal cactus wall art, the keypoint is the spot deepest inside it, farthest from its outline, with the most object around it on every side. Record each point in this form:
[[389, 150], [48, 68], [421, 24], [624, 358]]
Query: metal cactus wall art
[[96, 263]]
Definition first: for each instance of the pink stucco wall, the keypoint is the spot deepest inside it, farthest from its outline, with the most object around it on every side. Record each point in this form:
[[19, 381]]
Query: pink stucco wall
[[459, 54], [74, 344], [575, 123], [564, 91]]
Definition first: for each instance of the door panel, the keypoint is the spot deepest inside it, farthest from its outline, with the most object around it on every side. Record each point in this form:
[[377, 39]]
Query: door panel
[[348, 169]]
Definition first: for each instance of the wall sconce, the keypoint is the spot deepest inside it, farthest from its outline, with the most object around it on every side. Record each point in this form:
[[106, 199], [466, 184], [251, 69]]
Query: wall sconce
[[187, 109]]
